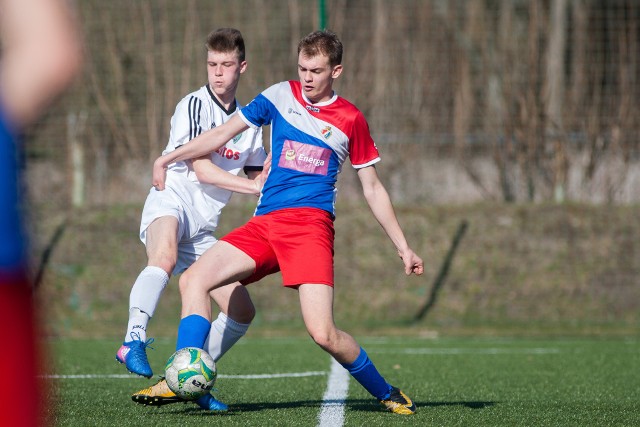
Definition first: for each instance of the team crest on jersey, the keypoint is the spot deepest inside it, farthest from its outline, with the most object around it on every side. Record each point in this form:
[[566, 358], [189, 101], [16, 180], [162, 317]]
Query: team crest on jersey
[[326, 132]]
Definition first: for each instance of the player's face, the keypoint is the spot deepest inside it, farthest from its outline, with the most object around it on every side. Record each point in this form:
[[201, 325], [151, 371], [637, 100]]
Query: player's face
[[316, 77], [223, 71]]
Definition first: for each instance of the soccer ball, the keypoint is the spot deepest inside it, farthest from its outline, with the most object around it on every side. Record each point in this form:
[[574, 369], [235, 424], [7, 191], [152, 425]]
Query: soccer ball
[[190, 373]]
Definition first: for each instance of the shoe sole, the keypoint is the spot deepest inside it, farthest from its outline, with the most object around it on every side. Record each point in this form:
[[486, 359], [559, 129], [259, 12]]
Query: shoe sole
[[215, 410], [155, 400], [406, 408], [226, 409], [130, 371]]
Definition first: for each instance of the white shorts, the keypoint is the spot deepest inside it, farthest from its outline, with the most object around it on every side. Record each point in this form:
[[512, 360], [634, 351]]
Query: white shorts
[[195, 235]]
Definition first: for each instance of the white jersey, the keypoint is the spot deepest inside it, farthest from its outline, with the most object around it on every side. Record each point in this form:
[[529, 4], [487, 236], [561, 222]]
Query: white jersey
[[196, 113]]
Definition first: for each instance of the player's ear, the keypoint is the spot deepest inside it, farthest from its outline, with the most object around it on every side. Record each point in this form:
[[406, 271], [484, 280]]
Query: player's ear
[[337, 70], [243, 67]]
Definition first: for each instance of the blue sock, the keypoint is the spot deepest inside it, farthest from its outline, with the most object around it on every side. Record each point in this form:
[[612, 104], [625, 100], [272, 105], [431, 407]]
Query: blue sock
[[364, 371], [192, 332]]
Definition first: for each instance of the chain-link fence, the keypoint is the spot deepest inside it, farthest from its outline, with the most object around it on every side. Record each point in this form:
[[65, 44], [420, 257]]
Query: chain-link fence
[[506, 100]]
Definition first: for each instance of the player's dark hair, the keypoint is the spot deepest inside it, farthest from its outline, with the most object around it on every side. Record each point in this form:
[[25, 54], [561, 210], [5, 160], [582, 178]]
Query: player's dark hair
[[323, 42], [226, 40]]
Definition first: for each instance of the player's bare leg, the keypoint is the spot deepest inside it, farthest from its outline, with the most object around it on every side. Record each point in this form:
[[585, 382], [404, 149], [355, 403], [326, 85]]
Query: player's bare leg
[[316, 304], [222, 264], [236, 313], [235, 302]]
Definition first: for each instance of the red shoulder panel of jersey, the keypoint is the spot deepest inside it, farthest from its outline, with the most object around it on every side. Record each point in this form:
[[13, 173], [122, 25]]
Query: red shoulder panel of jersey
[[340, 113], [346, 117]]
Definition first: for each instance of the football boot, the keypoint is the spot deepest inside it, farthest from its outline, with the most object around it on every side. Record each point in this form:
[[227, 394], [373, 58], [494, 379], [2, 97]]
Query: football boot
[[157, 395], [398, 403], [210, 403], [133, 354]]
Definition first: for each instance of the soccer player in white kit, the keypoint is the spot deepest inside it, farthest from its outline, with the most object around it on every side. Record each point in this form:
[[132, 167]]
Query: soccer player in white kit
[[177, 224]]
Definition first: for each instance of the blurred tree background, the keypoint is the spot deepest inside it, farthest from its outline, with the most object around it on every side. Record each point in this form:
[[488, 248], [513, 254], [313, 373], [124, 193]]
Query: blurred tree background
[[500, 100]]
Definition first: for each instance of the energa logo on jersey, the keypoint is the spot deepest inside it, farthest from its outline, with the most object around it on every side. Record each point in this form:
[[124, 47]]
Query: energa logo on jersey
[[305, 158]]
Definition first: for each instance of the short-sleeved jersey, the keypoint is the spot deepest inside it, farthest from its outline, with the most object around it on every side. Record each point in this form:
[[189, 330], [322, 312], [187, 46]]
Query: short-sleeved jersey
[[196, 113], [309, 144]]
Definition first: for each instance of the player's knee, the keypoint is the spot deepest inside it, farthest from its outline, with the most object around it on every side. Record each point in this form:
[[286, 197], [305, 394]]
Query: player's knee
[[324, 338], [184, 282], [167, 263]]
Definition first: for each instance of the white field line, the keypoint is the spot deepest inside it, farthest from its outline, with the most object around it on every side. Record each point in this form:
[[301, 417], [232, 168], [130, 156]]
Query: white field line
[[448, 351], [243, 377], [332, 409], [416, 351]]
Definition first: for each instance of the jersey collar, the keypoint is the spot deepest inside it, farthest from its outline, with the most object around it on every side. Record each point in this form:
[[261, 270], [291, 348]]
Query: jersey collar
[[232, 107]]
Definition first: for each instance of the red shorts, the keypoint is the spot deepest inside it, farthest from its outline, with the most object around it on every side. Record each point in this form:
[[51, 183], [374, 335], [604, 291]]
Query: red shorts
[[297, 241]]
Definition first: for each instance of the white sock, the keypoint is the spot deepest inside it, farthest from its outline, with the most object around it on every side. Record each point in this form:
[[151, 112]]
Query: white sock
[[137, 327], [224, 333], [147, 289], [143, 300]]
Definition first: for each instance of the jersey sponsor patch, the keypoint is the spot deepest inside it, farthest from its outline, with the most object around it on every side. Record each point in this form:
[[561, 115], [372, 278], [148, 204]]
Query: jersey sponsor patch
[[305, 158], [228, 153]]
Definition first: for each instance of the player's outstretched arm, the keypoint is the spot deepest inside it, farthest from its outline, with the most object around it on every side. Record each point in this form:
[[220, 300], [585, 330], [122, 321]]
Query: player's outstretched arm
[[380, 204], [203, 144], [209, 173]]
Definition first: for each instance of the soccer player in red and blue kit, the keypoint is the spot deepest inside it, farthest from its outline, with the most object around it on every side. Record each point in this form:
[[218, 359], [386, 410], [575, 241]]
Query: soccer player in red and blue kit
[[40, 57], [313, 131], [16, 304]]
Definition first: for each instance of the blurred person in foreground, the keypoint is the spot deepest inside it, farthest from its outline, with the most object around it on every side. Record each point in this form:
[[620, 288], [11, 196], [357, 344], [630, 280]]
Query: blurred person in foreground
[[178, 224], [313, 131], [40, 56]]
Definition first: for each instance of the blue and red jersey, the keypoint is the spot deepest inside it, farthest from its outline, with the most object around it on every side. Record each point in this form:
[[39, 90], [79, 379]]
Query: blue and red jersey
[[309, 144], [12, 239], [16, 294]]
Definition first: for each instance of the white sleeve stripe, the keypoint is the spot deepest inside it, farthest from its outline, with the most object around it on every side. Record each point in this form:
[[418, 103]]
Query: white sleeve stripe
[[195, 107], [369, 163]]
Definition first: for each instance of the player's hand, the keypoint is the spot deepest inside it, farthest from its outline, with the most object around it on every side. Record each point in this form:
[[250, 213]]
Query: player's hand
[[159, 174], [260, 179], [412, 262], [266, 166]]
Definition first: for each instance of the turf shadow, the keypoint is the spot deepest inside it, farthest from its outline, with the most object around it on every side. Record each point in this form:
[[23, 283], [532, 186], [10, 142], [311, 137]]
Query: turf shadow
[[359, 405]]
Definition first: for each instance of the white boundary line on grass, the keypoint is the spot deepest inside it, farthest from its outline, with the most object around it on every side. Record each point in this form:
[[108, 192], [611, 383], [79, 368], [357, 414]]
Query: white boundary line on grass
[[337, 372], [332, 409], [243, 377], [448, 351]]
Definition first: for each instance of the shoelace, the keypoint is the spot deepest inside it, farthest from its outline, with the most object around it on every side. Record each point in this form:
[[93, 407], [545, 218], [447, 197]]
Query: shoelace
[[136, 337]]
